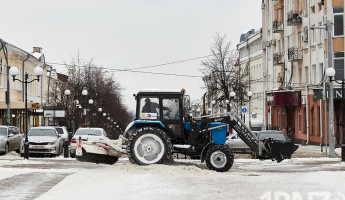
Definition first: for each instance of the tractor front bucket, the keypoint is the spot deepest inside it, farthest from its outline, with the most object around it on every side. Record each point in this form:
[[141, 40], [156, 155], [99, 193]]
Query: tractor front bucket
[[280, 150]]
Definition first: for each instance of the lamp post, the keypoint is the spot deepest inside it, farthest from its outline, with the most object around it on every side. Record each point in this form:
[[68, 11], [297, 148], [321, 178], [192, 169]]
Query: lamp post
[[213, 102], [330, 72], [250, 94], [38, 71], [227, 102], [232, 96], [84, 93]]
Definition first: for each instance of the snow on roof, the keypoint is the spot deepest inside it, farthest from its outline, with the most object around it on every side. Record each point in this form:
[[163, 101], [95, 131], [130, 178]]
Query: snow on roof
[[37, 55], [159, 90], [61, 69]]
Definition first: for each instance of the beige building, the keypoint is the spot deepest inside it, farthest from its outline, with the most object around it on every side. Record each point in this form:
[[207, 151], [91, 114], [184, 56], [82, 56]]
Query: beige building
[[250, 58], [25, 62]]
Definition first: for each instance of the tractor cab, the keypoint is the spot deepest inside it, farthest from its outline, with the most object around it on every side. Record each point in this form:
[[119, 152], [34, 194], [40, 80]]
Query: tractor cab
[[163, 108]]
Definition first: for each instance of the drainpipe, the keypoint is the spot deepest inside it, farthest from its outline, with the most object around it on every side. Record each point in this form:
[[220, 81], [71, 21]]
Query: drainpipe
[[321, 125], [308, 81]]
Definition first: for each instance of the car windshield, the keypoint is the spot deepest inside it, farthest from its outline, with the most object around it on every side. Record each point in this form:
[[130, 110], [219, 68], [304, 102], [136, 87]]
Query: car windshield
[[3, 131], [96, 132], [42, 132], [274, 136], [59, 130]]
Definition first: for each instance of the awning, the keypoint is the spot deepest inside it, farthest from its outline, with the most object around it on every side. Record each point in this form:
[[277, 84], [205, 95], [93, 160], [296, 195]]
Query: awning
[[283, 98]]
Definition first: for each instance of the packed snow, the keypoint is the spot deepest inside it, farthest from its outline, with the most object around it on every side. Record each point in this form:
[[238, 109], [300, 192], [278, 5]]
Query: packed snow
[[189, 179]]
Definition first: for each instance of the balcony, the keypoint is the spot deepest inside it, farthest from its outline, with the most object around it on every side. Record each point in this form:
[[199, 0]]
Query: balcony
[[278, 59], [293, 18], [295, 54], [278, 26]]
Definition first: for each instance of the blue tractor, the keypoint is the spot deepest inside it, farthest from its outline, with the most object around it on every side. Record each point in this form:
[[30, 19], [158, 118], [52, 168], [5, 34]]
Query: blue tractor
[[163, 126]]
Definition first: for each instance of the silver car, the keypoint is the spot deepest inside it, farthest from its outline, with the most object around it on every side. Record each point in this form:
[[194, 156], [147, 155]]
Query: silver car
[[43, 140], [237, 145], [10, 139]]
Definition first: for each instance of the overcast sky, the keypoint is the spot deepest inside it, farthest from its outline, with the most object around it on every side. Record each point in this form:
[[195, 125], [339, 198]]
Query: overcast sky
[[129, 34]]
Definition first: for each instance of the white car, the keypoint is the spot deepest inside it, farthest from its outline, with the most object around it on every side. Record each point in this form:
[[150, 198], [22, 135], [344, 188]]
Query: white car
[[86, 134], [10, 139], [62, 132], [43, 140]]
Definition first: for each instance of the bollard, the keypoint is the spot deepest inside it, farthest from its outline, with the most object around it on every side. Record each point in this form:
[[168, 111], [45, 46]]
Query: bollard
[[66, 149]]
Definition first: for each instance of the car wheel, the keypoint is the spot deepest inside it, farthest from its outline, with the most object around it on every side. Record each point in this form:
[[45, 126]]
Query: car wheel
[[149, 145], [72, 155], [6, 149], [219, 158]]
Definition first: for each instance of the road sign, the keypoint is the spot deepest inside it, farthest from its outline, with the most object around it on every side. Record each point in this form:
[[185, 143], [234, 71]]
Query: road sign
[[244, 109]]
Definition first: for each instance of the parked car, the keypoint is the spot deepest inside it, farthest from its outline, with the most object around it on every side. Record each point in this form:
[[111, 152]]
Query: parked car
[[86, 134], [43, 140], [62, 131], [10, 139], [237, 145]]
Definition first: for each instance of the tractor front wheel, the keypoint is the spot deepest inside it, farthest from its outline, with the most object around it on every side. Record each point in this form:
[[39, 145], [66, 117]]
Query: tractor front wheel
[[219, 158], [149, 145]]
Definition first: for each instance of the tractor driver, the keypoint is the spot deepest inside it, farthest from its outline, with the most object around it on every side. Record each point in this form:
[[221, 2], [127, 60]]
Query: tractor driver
[[150, 107]]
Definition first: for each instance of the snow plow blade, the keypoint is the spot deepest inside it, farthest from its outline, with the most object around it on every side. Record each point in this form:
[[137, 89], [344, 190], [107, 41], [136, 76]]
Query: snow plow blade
[[280, 150], [102, 151]]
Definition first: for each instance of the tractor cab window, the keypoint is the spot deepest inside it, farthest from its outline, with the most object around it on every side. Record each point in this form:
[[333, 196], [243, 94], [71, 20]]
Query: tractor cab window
[[171, 109], [149, 108]]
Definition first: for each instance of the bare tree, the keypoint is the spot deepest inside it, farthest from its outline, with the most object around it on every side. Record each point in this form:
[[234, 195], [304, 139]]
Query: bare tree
[[221, 76], [102, 89]]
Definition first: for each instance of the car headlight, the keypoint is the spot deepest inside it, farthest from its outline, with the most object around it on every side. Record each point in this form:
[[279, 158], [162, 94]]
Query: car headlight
[[51, 143]]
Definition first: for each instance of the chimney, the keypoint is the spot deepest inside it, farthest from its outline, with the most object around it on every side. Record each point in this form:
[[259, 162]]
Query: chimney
[[37, 50]]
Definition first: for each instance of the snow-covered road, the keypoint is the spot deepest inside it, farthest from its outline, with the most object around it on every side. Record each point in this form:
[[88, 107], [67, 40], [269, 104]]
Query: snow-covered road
[[298, 178]]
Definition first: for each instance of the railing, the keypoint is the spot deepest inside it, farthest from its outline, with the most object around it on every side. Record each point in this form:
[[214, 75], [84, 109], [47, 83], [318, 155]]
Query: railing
[[293, 18], [278, 59], [278, 26], [295, 54]]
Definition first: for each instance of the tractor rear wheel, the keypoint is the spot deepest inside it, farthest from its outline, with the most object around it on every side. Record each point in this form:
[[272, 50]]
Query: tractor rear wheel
[[149, 145], [219, 158]]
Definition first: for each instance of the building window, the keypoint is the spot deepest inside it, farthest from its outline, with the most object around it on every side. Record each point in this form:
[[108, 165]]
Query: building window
[[320, 72], [305, 122], [318, 121], [338, 28], [312, 131], [339, 65], [313, 72], [299, 119], [300, 77]]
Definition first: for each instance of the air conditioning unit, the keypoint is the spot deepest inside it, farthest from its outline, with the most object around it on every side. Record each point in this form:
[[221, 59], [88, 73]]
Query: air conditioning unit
[[305, 29], [303, 100]]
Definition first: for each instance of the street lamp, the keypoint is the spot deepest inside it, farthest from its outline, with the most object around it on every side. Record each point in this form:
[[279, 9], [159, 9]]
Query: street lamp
[[38, 71], [232, 96], [213, 102], [330, 72], [227, 102], [250, 94], [99, 109]]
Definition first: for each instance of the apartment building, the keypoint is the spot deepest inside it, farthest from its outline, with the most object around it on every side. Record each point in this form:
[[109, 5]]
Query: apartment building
[[295, 59], [250, 58], [25, 62]]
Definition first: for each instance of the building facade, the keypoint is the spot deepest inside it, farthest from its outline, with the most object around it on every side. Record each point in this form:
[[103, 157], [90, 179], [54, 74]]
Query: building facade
[[295, 60], [25, 62]]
